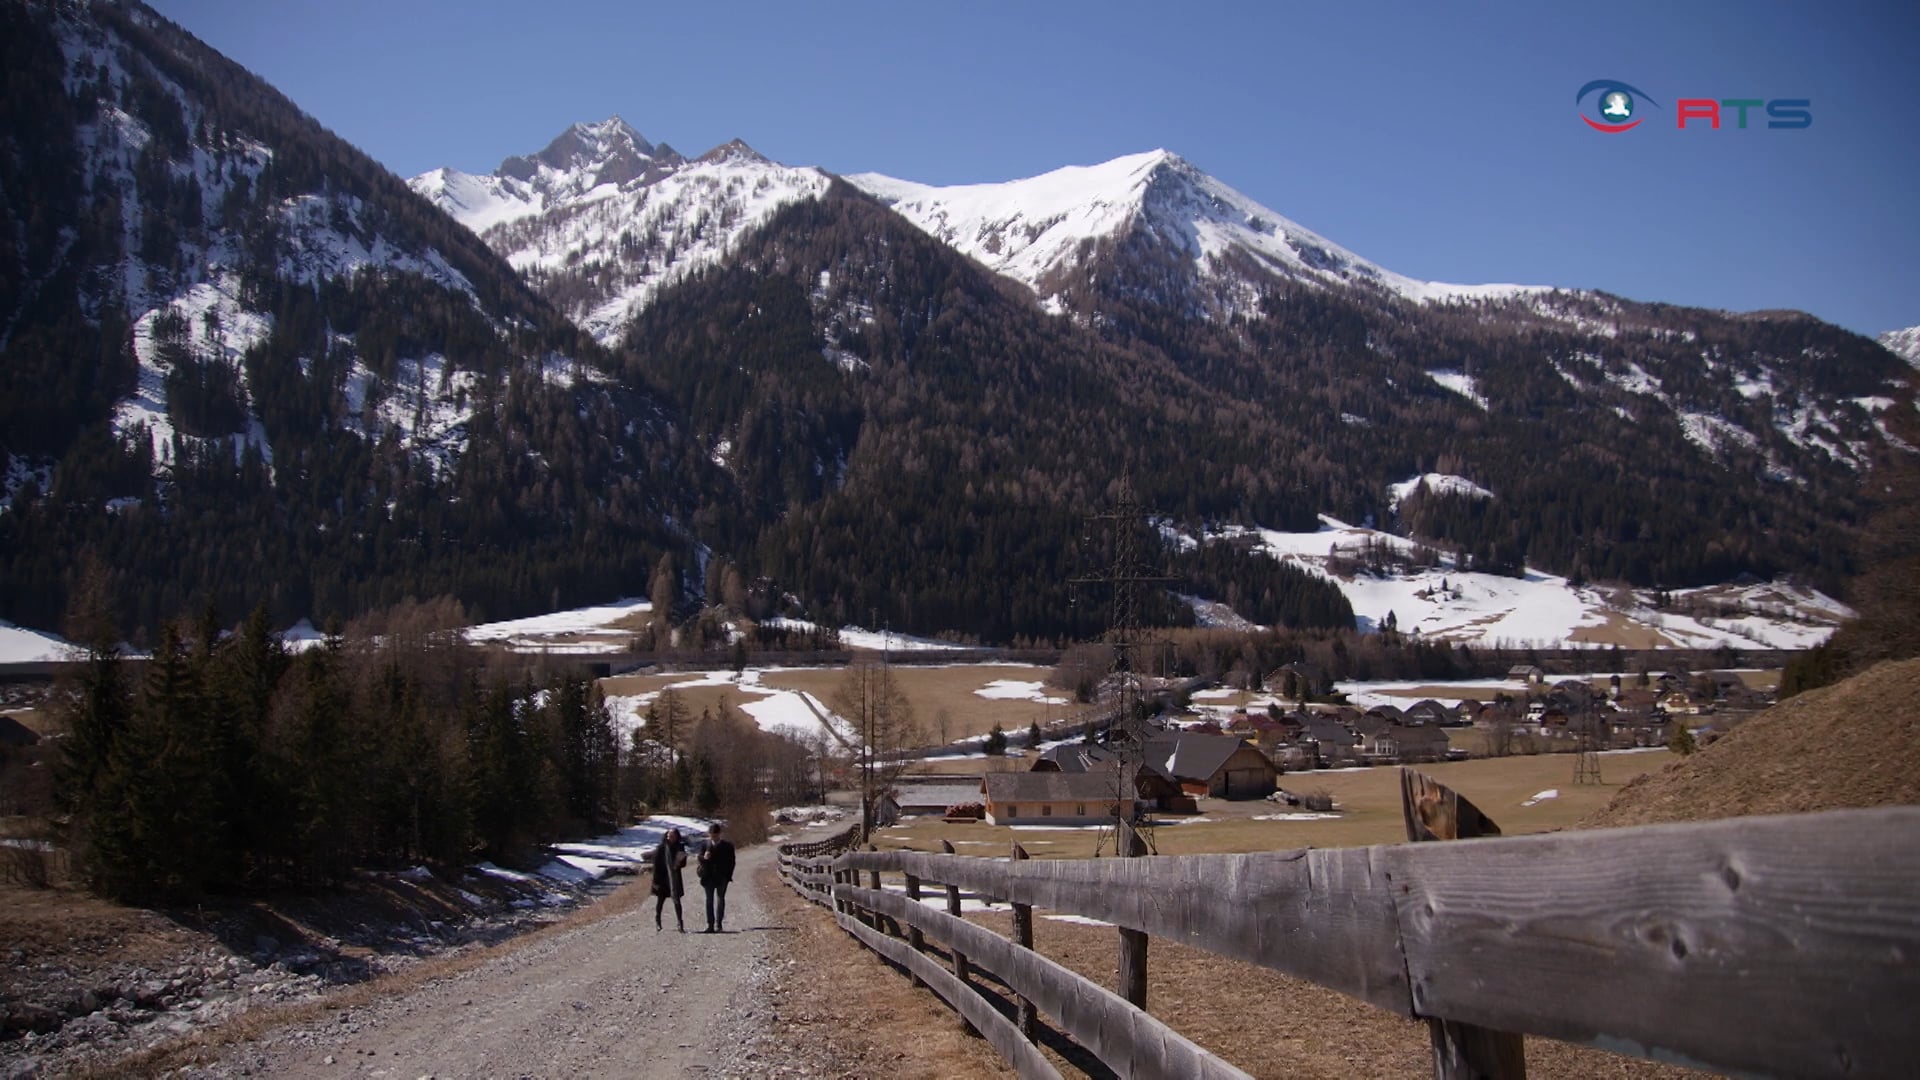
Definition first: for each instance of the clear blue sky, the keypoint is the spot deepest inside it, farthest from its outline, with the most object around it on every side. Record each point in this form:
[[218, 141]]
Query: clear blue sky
[[1440, 140]]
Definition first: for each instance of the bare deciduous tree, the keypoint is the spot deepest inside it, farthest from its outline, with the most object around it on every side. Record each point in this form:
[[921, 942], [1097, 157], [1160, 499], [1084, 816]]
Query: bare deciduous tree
[[870, 699]]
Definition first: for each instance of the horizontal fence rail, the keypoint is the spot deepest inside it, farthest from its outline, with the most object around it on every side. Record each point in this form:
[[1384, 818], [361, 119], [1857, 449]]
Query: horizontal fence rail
[[1773, 946]]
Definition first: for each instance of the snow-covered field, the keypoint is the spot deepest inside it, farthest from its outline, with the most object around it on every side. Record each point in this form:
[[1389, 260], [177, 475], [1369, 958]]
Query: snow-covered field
[[1541, 609], [586, 631], [774, 709], [19, 645]]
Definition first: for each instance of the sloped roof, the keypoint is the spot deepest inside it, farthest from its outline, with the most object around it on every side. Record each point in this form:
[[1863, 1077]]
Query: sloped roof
[[942, 795], [15, 733], [1016, 787], [1191, 755], [1079, 757]]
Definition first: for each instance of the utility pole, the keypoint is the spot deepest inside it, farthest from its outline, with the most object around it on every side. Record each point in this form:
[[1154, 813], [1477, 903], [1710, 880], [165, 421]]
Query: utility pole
[[1127, 729]]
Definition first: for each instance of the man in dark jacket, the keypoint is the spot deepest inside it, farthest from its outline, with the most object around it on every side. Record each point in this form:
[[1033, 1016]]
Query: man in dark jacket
[[668, 857], [716, 871]]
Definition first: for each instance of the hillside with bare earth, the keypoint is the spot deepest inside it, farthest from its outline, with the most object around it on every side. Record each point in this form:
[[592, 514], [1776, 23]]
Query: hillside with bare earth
[[1853, 744]]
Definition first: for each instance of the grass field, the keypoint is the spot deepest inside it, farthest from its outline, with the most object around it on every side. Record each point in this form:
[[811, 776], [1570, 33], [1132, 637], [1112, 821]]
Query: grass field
[[1368, 799], [934, 692]]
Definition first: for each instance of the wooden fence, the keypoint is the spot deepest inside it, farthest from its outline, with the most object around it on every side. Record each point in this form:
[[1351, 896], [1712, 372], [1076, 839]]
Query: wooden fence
[[1772, 946]]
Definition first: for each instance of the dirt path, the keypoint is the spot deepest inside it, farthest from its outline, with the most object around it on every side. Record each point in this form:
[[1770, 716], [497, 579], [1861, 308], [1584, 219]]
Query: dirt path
[[610, 997]]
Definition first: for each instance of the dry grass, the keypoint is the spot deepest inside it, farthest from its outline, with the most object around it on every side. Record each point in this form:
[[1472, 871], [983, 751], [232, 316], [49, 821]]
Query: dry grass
[[1369, 801], [932, 691], [1853, 744], [949, 689], [846, 1005], [1622, 631]]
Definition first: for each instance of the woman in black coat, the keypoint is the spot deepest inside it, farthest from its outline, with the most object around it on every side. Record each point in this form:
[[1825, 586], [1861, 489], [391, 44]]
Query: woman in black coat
[[716, 871], [668, 858]]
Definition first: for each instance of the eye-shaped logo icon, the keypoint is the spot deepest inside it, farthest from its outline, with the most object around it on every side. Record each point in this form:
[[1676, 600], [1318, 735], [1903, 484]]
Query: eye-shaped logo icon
[[1616, 105]]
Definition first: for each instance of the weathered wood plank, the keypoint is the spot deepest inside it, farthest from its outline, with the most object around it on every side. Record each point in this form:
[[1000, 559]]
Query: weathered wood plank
[[1131, 1041], [1325, 916], [953, 909], [916, 940], [978, 1011], [1023, 937], [1434, 811], [1132, 969], [1784, 946]]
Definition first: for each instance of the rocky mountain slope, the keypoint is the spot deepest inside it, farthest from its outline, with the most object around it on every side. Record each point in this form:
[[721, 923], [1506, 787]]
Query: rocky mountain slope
[[601, 219], [243, 363]]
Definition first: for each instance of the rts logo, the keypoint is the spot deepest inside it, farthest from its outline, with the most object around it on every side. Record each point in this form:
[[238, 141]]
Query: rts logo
[[1616, 108]]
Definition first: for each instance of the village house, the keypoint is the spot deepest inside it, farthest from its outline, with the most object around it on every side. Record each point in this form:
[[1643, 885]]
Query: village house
[[1526, 673], [1429, 711], [1151, 788], [1217, 765], [1403, 744], [1332, 742], [1056, 798]]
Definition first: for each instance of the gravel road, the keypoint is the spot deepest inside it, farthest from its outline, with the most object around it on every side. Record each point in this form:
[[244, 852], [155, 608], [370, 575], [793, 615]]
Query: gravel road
[[609, 997]]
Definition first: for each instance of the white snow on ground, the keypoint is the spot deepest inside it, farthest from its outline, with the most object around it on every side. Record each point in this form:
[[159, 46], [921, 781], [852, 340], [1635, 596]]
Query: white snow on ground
[[302, 636], [1542, 796], [1033, 229], [1077, 920], [1018, 690], [585, 630], [565, 622], [854, 637], [1437, 484], [19, 645], [1443, 603], [624, 852], [774, 709], [1460, 383], [1308, 816]]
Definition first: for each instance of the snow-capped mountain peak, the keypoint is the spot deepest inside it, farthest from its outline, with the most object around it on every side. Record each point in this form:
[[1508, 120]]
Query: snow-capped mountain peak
[[606, 219], [609, 152], [1037, 229], [1904, 343]]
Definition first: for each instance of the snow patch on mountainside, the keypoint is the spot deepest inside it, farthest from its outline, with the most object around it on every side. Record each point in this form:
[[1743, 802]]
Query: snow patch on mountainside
[[1460, 383], [1033, 229], [1444, 603], [1437, 484], [1904, 344]]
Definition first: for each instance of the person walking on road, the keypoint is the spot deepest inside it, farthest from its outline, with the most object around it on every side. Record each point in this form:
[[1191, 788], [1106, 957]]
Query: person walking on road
[[716, 871], [669, 856]]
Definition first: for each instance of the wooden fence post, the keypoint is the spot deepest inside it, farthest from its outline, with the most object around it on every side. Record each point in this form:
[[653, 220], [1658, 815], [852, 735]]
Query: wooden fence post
[[953, 908], [1133, 943], [1434, 811], [1023, 937], [960, 966], [884, 923], [915, 938]]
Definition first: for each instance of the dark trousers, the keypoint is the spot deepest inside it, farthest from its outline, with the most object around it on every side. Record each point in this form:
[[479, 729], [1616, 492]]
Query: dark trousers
[[660, 904], [716, 905]]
